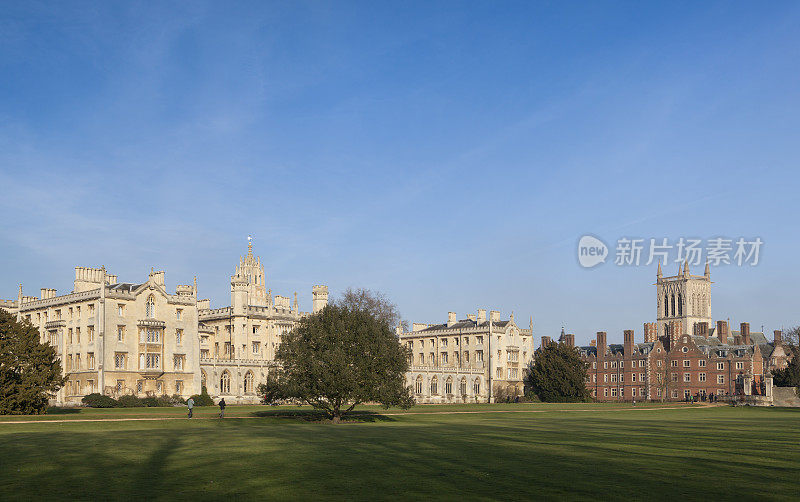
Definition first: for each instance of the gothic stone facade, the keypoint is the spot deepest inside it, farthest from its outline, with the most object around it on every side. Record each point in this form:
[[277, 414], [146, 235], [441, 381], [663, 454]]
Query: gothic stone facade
[[118, 338], [459, 360], [125, 338], [238, 342]]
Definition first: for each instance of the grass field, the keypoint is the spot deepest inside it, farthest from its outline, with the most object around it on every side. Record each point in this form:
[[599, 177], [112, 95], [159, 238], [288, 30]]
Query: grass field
[[508, 452]]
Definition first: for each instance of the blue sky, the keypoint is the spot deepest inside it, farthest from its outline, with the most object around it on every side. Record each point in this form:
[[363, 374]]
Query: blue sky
[[448, 154]]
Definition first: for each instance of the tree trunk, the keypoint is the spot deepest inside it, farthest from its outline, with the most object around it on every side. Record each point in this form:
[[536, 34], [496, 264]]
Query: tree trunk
[[337, 416]]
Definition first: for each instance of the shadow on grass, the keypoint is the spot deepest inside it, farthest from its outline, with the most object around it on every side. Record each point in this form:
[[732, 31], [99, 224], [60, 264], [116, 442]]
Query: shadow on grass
[[318, 416], [55, 410]]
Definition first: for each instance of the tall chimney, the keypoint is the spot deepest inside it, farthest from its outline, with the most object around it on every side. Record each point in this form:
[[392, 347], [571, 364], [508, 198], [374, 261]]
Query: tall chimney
[[675, 332], [649, 332], [722, 331], [494, 315], [601, 344], [778, 337], [628, 336], [570, 340], [451, 318], [481, 315], [545, 341], [737, 339], [744, 328]]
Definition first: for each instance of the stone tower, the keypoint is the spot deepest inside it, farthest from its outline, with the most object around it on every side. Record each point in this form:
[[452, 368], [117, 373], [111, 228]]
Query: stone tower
[[249, 277], [320, 298], [683, 297]]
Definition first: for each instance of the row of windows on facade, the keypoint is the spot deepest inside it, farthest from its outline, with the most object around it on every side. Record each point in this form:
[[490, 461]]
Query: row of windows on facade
[[512, 356], [282, 329], [40, 316], [674, 304], [225, 382], [146, 361], [150, 312], [229, 350], [687, 377], [687, 363], [448, 386], [76, 387], [478, 340], [620, 392]]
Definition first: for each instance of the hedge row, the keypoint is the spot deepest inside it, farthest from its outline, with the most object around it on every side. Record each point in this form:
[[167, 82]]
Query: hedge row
[[100, 401]]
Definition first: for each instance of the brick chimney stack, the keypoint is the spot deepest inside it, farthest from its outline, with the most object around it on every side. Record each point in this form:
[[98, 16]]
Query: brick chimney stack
[[628, 335], [737, 339], [722, 331], [778, 337], [545, 341], [675, 332], [701, 329], [650, 332], [601, 344], [570, 340], [744, 328]]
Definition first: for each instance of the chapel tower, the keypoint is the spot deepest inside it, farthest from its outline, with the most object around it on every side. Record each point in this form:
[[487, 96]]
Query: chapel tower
[[685, 298]]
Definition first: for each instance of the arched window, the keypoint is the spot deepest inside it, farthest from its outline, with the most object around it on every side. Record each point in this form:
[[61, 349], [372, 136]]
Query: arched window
[[666, 305], [448, 385], [680, 304], [150, 307], [225, 383], [203, 378], [476, 386], [673, 305], [248, 382], [418, 386], [434, 386], [463, 388]]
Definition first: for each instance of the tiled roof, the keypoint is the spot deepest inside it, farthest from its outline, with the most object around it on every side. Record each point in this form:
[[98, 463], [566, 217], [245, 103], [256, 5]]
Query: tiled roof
[[463, 324]]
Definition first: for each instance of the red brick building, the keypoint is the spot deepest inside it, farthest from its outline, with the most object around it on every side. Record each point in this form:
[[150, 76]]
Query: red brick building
[[674, 367], [682, 353]]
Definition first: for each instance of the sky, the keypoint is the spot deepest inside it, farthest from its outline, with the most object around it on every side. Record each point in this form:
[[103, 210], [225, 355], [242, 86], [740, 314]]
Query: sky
[[448, 154]]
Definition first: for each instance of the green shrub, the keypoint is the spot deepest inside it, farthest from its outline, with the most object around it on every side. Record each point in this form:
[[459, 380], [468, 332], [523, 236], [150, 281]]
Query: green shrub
[[129, 401], [97, 400], [149, 401], [203, 399], [176, 399]]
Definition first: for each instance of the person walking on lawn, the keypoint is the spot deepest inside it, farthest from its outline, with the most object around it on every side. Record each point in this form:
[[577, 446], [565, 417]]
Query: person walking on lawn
[[222, 408], [190, 404]]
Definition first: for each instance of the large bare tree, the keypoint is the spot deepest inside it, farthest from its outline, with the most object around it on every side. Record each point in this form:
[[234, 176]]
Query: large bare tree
[[374, 302]]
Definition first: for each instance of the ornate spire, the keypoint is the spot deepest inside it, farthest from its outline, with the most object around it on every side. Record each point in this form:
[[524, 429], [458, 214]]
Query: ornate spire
[[686, 268], [294, 307], [680, 269], [658, 273], [250, 246], [708, 271]]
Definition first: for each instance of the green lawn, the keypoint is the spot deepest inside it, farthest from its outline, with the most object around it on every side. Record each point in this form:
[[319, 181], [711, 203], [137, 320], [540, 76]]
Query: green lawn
[[561, 451]]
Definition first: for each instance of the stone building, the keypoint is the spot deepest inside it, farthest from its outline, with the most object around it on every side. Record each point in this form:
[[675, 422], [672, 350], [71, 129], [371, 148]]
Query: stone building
[[683, 297], [670, 363], [118, 338], [463, 360], [238, 342], [126, 338]]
